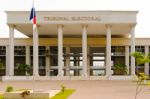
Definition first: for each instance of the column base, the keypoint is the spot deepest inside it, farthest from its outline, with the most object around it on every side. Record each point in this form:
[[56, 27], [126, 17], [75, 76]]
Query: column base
[[24, 78], [123, 77], [48, 78]]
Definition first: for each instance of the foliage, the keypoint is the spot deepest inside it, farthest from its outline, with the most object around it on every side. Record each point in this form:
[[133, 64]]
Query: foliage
[[9, 89], [1, 65], [63, 88], [64, 95], [141, 58], [120, 69], [24, 68], [140, 79], [25, 93]]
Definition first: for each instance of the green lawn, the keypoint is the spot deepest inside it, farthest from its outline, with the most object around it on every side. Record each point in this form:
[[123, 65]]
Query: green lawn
[[64, 95], [60, 95], [1, 96]]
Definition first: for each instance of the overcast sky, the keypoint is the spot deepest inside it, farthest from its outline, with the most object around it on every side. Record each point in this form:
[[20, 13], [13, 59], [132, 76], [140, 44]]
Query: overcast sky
[[143, 18]]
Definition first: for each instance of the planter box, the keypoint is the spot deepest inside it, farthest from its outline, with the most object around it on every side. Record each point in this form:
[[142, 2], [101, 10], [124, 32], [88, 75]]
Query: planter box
[[33, 95], [119, 72]]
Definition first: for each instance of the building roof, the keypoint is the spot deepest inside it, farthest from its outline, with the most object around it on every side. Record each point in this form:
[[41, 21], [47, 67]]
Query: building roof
[[73, 21]]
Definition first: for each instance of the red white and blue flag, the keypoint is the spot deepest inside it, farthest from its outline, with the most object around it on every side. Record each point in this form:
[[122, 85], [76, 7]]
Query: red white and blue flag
[[33, 16]]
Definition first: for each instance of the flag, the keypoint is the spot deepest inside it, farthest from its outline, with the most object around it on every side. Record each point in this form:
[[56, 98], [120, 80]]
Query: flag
[[33, 16]]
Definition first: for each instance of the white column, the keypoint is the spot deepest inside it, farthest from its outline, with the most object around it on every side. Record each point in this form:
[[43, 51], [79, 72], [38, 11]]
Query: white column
[[47, 62], [108, 50], [88, 62], [28, 55], [7, 60], [146, 68], [84, 50], [127, 58], [35, 52], [67, 61], [132, 49], [11, 50], [60, 50]]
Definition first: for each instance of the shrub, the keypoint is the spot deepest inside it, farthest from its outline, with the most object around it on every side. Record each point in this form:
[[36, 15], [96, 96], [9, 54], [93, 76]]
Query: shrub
[[1, 65], [9, 89], [120, 69], [23, 69], [142, 77], [25, 93], [63, 88]]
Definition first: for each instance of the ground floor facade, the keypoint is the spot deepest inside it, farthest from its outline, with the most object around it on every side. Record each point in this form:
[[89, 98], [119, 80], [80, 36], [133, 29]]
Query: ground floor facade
[[72, 63]]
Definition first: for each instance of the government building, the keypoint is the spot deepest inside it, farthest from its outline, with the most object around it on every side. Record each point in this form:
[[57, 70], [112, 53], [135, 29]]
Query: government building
[[74, 45]]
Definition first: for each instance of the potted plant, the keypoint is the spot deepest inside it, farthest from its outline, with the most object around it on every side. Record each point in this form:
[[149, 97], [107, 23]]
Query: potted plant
[[2, 68], [9, 89], [120, 69], [23, 69]]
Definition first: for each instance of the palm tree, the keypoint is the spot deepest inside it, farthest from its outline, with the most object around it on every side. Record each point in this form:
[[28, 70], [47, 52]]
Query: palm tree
[[140, 58]]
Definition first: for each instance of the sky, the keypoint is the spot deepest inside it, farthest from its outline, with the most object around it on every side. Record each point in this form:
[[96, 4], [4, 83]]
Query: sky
[[143, 18]]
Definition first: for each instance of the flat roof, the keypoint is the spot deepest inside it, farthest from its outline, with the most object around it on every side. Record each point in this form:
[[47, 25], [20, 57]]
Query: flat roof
[[73, 21]]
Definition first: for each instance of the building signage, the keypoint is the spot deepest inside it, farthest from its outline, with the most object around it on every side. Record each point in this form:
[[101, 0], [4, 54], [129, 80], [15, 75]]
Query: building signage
[[73, 18]]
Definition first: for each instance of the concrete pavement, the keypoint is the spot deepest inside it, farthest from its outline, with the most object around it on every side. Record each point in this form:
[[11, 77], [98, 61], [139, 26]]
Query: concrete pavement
[[86, 89]]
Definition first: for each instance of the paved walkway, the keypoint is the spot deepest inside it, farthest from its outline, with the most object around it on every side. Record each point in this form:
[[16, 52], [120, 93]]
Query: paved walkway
[[87, 89]]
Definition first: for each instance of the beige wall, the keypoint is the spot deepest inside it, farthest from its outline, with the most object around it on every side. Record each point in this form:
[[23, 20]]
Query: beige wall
[[17, 17], [76, 41]]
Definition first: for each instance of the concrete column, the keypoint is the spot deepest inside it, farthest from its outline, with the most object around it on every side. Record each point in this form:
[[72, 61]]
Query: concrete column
[[108, 50], [35, 51], [47, 62], [84, 50], [146, 68], [127, 58], [60, 50], [67, 61], [132, 49], [28, 55], [7, 60], [11, 50]]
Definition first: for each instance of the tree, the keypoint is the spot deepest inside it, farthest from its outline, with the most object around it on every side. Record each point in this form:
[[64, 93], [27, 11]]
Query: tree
[[140, 58]]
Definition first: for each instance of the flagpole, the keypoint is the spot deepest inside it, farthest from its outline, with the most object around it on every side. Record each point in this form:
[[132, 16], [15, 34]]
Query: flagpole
[[33, 48], [33, 3], [33, 30]]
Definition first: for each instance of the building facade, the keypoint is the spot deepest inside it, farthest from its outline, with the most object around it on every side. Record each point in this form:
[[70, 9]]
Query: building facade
[[72, 43]]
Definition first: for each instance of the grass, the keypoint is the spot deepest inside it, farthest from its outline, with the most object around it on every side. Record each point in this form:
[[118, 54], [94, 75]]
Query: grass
[[60, 95], [1, 96], [22, 89], [64, 95]]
